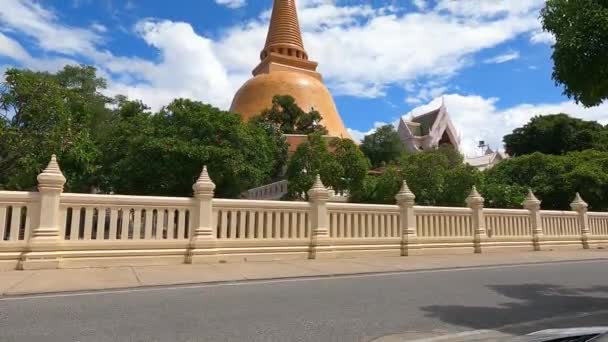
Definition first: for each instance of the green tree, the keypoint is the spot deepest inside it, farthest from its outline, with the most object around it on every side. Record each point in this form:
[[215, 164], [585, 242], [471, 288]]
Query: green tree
[[379, 189], [290, 118], [580, 51], [353, 162], [311, 158], [45, 113], [163, 153], [554, 178], [382, 146], [555, 134], [439, 176]]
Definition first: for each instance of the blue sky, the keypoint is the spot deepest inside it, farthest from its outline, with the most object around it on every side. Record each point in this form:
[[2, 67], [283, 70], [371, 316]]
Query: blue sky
[[487, 59]]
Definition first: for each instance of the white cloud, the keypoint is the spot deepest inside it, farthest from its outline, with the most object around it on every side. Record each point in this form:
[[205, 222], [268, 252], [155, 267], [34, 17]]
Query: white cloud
[[188, 67], [420, 4], [488, 8], [359, 135], [425, 94], [12, 49], [542, 37], [231, 3], [509, 56], [99, 27], [32, 19]]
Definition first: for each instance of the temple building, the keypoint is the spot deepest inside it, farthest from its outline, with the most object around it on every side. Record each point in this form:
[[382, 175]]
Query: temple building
[[285, 69], [487, 160], [428, 131]]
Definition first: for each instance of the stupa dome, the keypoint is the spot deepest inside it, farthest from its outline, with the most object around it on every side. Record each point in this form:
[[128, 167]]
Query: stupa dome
[[256, 95], [285, 70]]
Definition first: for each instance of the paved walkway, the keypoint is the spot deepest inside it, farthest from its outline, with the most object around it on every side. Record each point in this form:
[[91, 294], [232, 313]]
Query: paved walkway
[[45, 281]]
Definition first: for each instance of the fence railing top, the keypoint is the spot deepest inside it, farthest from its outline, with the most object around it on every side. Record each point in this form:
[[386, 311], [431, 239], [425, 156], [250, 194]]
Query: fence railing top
[[362, 207], [597, 213], [255, 204], [499, 211], [18, 196], [558, 213], [119, 200], [440, 210]]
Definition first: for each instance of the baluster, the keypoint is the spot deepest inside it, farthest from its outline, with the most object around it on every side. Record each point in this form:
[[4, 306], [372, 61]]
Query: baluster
[[3, 227], [242, 224], [171, 231], [137, 213], [88, 223], [148, 224]]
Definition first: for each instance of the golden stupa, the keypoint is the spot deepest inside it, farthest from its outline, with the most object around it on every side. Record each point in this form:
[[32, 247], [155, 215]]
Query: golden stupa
[[285, 70]]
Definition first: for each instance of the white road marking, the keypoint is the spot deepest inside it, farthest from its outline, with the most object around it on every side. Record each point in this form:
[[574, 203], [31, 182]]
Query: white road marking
[[284, 280]]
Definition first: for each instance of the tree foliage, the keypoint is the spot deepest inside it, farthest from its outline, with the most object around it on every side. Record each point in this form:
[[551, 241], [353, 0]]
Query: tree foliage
[[580, 51], [290, 118], [127, 149], [556, 134], [383, 146], [46, 113], [555, 178], [437, 177], [341, 165], [163, 153]]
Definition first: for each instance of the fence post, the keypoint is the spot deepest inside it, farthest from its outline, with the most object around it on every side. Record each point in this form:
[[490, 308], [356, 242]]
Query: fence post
[[532, 204], [320, 246], [406, 200], [475, 202], [580, 207], [203, 239], [43, 247]]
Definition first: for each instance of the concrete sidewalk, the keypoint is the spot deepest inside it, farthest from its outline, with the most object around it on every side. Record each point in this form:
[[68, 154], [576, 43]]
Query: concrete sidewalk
[[45, 281]]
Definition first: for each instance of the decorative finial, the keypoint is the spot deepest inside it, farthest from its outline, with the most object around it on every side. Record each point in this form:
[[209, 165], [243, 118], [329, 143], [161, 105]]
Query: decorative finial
[[203, 185], [318, 184], [475, 200], [531, 196], [405, 195], [204, 176], [578, 203], [53, 166], [474, 192], [318, 192], [51, 177], [531, 202]]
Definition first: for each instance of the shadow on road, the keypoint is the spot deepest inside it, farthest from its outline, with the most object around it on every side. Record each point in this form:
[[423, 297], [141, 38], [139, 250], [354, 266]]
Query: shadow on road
[[538, 306]]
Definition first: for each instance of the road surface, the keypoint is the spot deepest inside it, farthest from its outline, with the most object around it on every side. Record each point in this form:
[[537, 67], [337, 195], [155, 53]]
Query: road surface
[[388, 307]]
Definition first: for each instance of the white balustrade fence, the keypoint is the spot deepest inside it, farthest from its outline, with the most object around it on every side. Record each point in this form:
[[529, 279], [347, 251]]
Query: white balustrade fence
[[257, 220], [598, 223], [443, 222], [16, 215], [560, 223], [50, 229], [349, 220], [507, 222], [103, 217]]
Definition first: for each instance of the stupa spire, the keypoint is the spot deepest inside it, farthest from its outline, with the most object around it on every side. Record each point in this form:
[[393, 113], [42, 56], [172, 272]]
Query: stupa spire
[[284, 36]]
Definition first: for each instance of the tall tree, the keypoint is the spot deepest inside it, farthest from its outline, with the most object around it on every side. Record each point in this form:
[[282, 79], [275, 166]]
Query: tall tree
[[383, 146], [290, 118], [45, 113], [353, 162], [555, 134], [311, 158], [163, 153], [580, 51]]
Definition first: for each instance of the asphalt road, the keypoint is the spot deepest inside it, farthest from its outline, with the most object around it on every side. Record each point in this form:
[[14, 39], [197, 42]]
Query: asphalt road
[[391, 307]]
